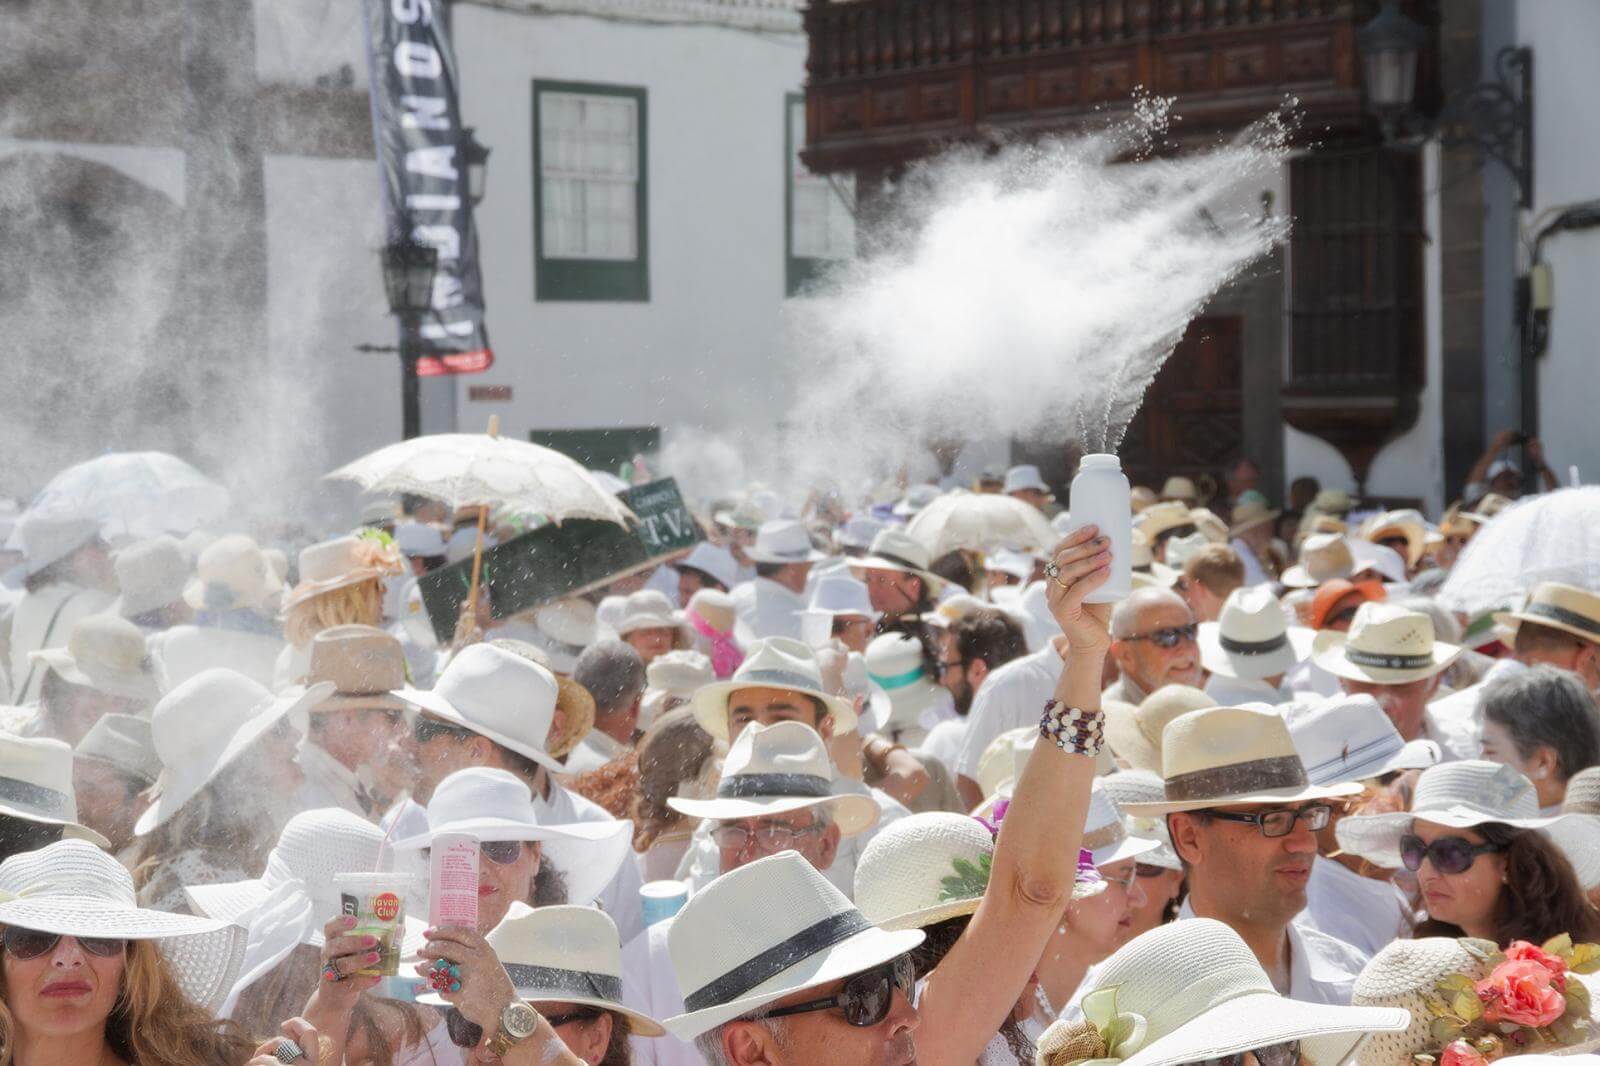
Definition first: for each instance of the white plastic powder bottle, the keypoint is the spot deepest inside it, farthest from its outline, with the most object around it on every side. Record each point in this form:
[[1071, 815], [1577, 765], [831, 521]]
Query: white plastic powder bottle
[[1100, 497]]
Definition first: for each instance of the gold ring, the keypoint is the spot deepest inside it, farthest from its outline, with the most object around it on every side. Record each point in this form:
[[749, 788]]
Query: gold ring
[[1053, 572]]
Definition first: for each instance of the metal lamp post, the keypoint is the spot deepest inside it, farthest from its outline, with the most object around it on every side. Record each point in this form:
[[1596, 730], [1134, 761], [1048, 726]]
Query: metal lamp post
[[408, 269]]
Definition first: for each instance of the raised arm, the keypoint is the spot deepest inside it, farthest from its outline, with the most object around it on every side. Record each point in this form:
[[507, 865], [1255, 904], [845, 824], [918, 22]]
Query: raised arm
[[970, 993]]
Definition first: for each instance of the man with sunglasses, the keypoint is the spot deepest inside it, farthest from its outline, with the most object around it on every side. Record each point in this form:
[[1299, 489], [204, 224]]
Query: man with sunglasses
[[1243, 818], [1153, 643]]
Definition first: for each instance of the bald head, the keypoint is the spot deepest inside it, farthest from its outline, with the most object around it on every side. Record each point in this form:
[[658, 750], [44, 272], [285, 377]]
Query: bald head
[[1132, 616], [1153, 640]]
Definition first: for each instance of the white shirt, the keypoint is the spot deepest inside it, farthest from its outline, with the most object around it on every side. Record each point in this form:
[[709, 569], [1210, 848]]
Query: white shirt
[[594, 751], [1322, 969], [328, 783], [1010, 698], [44, 620], [766, 609], [1365, 913], [1254, 572], [620, 898], [1234, 691], [1459, 716], [944, 741], [650, 986]]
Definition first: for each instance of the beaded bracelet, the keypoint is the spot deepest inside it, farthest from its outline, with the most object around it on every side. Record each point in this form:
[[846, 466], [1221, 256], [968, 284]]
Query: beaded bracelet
[[1074, 731]]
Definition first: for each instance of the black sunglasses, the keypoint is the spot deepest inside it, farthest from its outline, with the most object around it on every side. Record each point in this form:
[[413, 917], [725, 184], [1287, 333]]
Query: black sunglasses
[[1169, 636], [1148, 870], [501, 852], [1280, 823], [1450, 855], [1285, 1054], [31, 943], [580, 1014], [866, 997], [425, 729]]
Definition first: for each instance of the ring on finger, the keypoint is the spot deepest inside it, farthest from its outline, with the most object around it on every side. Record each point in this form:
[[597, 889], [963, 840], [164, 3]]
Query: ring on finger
[[330, 971], [1053, 572]]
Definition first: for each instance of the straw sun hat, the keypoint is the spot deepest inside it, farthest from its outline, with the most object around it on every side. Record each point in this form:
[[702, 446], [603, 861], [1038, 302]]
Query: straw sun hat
[[1134, 733], [1565, 607], [895, 549], [1473, 792], [1323, 557], [107, 653], [922, 870], [1192, 991], [73, 888], [231, 573], [1386, 645], [340, 563]]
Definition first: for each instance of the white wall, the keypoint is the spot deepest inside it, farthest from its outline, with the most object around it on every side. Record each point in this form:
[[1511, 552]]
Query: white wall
[[703, 350], [1564, 36]]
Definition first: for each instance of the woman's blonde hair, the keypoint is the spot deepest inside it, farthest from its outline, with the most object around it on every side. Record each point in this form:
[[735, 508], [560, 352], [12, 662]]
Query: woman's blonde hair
[[350, 605], [152, 1023]]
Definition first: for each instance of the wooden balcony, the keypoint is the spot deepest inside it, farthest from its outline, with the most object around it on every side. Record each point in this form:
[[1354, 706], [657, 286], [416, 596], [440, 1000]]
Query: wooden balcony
[[890, 79]]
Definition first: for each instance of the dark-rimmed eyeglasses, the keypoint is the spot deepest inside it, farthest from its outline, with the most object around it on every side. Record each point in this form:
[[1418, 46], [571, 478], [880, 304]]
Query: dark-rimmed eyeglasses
[[1169, 636], [1279, 823], [424, 730], [776, 836], [31, 943], [1449, 855], [865, 998], [1285, 1054]]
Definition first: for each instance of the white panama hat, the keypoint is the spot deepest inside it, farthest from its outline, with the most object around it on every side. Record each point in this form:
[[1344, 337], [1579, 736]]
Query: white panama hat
[[768, 929], [73, 888], [922, 870], [498, 694], [857, 533], [107, 653], [340, 563], [1387, 644], [1224, 756], [150, 574], [1323, 557], [1024, 477], [1143, 786], [489, 804], [122, 741], [1251, 639], [47, 537], [1105, 834], [563, 954], [672, 675], [1193, 990], [896, 550], [916, 499], [1403, 974], [1366, 555], [776, 662], [775, 769], [650, 609], [1018, 564], [835, 595], [204, 724], [231, 573], [1349, 738], [288, 905], [783, 540], [715, 561], [1469, 793], [1408, 524], [36, 785], [1565, 607]]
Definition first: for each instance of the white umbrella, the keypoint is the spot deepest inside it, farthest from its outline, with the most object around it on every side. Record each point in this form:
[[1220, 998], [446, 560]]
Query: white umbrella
[[980, 522], [471, 468], [136, 494], [1551, 537]]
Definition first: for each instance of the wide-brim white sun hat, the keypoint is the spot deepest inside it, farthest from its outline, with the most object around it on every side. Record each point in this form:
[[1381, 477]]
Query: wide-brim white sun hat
[[1349, 738], [1194, 991], [202, 726], [1404, 975], [562, 954], [36, 785], [782, 541], [776, 662], [922, 870], [776, 769], [1470, 793], [764, 931], [73, 888], [897, 550], [489, 804], [498, 694]]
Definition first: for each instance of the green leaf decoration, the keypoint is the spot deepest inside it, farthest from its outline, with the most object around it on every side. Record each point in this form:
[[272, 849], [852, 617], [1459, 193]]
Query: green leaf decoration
[[1456, 983], [1467, 1006], [1585, 958], [1577, 994], [1558, 945], [1444, 1030], [1437, 1007], [968, 882]]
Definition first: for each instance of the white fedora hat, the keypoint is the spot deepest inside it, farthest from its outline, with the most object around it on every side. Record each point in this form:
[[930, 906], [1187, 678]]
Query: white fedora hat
[[1024, 477], [858, 532], [674, 675], [1192, 991], [107, 653], [1222, 756], [1323, 557], [563, 954], [419, 540], [895, 549], [714, 561], [498, 694], [1349, 738], [123, 741], [778, 768], [203, 725], [1143, 786], [1386, 645], [36, 785], [1565, 607], [1407, 524], [916, 499], [924, 869], [783, 540], [340, 563], [291, 901], [1384, 561], [47, 537], [1251, 638], [1181, 549], [776, 662], [835, 595], [1473, 792], [649, 609], [150, 574], [895, 664], [1134, 733], [489, 804], [1105, 835], [232, 572], [766, 930], [73, 888]]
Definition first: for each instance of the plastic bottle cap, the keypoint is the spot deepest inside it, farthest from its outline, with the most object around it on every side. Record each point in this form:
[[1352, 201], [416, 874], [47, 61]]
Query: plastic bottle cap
[[1099, 461]]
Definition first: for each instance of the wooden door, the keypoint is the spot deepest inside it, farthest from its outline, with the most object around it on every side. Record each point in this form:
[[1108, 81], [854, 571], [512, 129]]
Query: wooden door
[[1192, 420]]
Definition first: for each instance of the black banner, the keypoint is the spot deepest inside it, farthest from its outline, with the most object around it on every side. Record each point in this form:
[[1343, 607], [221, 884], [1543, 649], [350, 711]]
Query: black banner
[[416, 126]]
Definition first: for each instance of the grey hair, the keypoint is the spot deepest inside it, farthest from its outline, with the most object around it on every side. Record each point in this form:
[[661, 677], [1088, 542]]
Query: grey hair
[[1446, 627], [612, 672], [1544, 706], [709, 1043], [1125, 615]]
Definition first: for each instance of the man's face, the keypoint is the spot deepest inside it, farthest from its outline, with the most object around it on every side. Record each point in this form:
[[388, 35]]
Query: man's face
[[770, 705], [1032, 497], [824, 1035], [439, 752], [653, 642], [1143, 657], [108, 800], [1242, 478], [1406, 705], [893, 593], [1261, 878], [74, 709], [744, 840], [1580, 656]]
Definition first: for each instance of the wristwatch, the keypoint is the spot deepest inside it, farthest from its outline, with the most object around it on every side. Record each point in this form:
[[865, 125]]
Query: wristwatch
[[517, 1023]]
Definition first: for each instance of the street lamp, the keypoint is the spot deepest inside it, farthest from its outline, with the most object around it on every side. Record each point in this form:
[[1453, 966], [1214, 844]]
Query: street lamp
[[408, 269], [475, 157], [1496, 116]]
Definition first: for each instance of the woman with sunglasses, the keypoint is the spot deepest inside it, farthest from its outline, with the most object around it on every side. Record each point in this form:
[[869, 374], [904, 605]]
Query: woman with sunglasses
[[90, 977], [1487, 865]]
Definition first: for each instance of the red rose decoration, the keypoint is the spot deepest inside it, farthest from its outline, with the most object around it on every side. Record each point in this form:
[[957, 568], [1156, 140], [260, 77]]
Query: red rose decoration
[[1521, 992], [1461, 1053], [1522, 951]]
